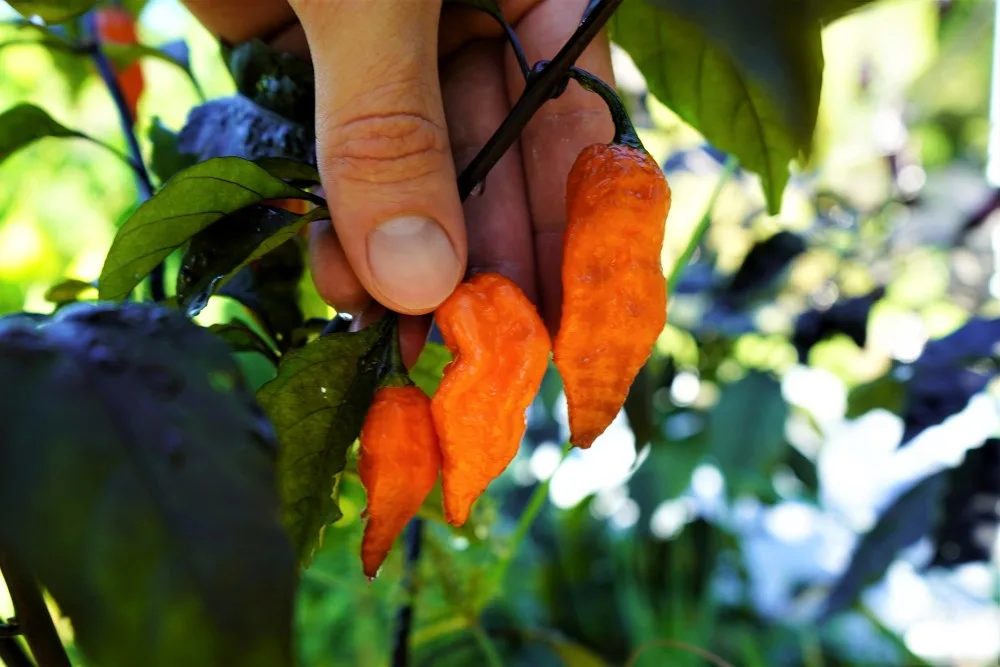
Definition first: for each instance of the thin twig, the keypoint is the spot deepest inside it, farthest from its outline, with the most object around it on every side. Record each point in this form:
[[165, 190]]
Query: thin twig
[[404, 620], [699, 231], [540, 89], [143, 181], [528, 516], [33, 618], [486, 645], [12, 654]]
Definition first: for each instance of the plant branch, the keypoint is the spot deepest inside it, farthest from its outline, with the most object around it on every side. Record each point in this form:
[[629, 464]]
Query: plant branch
[[625, 133], [404, 620], [528, 516], [12, 655], [143, 181], [701, 227], [487, 646], [33, 618], [541, 87]]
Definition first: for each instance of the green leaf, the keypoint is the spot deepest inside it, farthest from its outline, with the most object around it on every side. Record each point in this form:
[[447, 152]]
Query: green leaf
[[318, 403], [429, 369], [747, 431], [290, 170], [137, 478], [52, 11], [229, 244], [68, 291], [190, 202], [745, 75], [886, 392], [24, 124], [241, 338], [165, 160]]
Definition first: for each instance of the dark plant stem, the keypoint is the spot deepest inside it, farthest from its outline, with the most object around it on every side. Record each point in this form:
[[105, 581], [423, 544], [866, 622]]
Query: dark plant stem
[[12, 655], [625, 133], [143, 181], [404, 620], [542, 86], [33, 618]]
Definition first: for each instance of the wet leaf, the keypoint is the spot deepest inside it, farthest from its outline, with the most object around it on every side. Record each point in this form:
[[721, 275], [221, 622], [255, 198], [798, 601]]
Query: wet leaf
[[165, 160], [229, 244], [280, 82], [137, 477], [190, 202], [318, 403]]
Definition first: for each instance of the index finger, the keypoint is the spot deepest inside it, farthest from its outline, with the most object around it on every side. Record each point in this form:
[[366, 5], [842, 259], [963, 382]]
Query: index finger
[[554, 138]]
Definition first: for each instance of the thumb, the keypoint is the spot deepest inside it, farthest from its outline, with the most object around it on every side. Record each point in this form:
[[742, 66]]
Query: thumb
[[383, 147]]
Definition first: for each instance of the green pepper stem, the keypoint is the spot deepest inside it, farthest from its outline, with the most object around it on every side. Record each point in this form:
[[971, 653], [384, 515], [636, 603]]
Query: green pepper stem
[[625, 133], [395, 373]]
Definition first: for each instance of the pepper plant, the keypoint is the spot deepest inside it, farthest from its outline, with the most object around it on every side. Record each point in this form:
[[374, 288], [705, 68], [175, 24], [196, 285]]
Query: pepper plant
[[169, 508]]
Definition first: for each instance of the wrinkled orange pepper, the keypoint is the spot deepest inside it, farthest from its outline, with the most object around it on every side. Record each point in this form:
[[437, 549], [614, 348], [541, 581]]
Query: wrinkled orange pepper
[[399, 466], [500, 352], [614, 291], [117, 25]]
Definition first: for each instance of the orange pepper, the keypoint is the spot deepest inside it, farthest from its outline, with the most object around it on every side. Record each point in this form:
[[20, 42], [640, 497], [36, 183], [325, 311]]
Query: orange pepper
[[399, 466], [614, 291], [117, 25], [501, 350]]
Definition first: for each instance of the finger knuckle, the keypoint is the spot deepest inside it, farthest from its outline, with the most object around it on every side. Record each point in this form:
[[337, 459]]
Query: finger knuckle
[[386, 148]]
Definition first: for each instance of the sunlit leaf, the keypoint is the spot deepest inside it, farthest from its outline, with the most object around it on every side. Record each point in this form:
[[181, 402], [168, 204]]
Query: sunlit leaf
[[190, 202], [137, 477], [318, 403], [229, 244], [746, 75], [52, 11], [25, 123], [69, 291]]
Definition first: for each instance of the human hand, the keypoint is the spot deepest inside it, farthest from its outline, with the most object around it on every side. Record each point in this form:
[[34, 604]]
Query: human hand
[[406, 96]]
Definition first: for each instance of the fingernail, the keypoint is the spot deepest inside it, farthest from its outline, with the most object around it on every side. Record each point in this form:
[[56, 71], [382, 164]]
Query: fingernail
[[413, 262]]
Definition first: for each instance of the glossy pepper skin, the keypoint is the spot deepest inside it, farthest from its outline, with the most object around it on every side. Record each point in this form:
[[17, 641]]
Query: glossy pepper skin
[[614, 291], [117, 25], [500, 352], [399, 465]]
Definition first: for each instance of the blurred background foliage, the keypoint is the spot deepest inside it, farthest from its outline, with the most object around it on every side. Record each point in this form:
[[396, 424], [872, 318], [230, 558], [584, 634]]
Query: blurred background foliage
[[807, 473]]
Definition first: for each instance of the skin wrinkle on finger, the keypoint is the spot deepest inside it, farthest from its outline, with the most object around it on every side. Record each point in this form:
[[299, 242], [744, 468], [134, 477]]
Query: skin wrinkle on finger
[[383, 149]]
